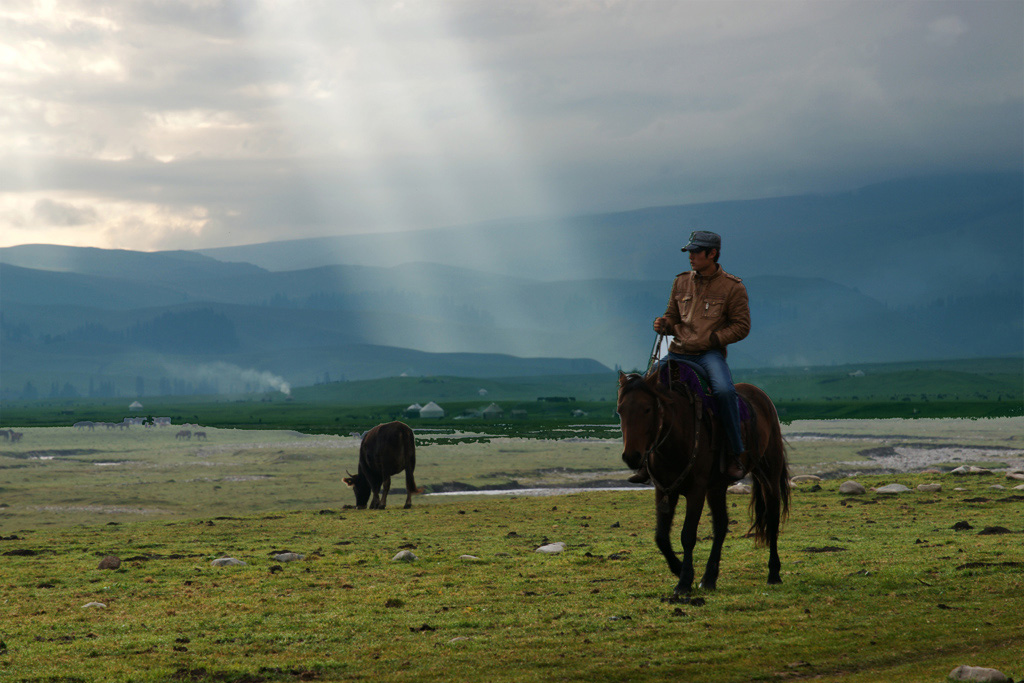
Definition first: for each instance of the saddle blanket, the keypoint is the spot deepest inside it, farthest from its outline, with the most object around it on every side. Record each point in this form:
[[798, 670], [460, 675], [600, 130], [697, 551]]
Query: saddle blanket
[[672, 373]]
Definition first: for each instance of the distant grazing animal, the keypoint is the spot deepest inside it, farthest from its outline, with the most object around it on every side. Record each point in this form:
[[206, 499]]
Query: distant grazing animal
[[200, 435], [668, 432], [16, 436], [6, 434], [183, 434], [85, 424], [387, 449]]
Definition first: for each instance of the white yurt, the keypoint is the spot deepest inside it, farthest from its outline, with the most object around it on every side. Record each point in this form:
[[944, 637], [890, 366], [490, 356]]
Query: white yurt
[[431, 410]]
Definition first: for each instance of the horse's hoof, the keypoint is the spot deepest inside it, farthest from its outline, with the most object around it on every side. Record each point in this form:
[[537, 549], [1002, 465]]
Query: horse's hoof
[[708, 586], [774, 581]]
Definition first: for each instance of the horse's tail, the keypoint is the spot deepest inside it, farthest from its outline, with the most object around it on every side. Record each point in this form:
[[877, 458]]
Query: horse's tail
[[769, 504]]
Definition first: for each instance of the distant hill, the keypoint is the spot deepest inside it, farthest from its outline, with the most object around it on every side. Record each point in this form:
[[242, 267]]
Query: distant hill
[[913, 270], [904, 242]]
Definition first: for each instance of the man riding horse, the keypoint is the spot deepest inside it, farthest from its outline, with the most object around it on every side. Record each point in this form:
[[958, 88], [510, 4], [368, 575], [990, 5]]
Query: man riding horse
[[708, 310]]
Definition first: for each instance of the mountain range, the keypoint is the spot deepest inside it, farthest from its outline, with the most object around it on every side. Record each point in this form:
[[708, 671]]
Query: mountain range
[[917, 269]]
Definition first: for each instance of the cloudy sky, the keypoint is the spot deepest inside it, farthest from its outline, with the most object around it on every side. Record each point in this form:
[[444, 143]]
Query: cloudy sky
[[155, 125]]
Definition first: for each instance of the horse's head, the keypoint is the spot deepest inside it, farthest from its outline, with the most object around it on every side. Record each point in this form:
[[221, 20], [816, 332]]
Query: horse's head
[[640, 415]]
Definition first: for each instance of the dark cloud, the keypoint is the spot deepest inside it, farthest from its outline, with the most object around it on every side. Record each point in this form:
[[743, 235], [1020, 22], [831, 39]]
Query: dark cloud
[[50, 212], [232, 122]]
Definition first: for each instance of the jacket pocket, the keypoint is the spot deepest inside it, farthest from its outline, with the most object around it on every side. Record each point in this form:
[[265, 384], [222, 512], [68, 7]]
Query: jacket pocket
[[685, 304], [713, 307]]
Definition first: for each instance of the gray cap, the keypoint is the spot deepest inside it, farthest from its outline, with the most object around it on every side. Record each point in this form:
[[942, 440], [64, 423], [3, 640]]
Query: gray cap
[[703, 239]]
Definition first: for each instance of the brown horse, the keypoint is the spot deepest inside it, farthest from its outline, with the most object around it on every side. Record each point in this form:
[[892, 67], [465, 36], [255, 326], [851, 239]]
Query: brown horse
[[668, 431]]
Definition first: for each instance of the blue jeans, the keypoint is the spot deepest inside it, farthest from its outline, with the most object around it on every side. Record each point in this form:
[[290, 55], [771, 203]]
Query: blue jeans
[[720, 379]]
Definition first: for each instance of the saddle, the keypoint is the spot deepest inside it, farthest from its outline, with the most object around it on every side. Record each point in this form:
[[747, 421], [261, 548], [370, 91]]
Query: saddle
[[682, 372]]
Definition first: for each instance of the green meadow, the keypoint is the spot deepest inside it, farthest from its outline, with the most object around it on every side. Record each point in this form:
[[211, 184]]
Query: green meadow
[[875, 588]]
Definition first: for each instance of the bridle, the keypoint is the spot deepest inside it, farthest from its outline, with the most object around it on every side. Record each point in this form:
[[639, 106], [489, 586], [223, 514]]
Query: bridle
[[660, 438]]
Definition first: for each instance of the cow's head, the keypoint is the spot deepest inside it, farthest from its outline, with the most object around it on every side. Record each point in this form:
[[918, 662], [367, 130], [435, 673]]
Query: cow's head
[[360, 486]]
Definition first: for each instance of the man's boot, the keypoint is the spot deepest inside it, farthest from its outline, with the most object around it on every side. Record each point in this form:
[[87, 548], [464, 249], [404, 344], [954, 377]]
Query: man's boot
[[641, 477], [732, 466]]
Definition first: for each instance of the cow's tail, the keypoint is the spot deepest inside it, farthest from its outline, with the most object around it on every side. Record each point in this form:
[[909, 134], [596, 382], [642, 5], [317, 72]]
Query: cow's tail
[[409, 447]]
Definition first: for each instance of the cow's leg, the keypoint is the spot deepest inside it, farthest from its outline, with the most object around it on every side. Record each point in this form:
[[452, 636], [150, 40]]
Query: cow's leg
[[384, 493], [720, 527], [375, 490], [410, 487], [688, 537]]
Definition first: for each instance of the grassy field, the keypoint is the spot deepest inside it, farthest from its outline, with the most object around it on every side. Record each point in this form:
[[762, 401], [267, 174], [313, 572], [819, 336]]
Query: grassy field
[[876, 588], [58, 476]]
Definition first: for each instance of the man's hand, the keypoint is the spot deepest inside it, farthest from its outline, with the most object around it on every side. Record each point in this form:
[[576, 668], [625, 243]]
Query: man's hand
[[661, 326]]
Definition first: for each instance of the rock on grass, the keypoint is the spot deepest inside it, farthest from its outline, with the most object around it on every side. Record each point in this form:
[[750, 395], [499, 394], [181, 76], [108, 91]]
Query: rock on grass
[[980, 674]]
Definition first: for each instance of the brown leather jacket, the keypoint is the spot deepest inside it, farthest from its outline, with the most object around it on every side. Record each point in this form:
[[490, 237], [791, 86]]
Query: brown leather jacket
[[707, 313]]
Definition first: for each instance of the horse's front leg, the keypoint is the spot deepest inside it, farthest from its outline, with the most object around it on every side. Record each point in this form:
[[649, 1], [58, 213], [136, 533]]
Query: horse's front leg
[[665, 505], [688, 536], [720, 527]]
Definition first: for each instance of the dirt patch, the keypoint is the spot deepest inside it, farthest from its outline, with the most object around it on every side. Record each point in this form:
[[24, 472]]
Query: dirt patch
[[53, 453]]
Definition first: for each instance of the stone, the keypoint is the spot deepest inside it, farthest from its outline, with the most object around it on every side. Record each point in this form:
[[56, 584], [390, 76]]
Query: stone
[[931, 470], [965, 469], [801, 478], [929, 488], [551, 548], [94, 605], [892, 488], [289, 557], [109, 562], [1015, 475], [980, 674], [405, 556], [469, 558], [998, 487], [739, 488], [852, 488], [227, 562]]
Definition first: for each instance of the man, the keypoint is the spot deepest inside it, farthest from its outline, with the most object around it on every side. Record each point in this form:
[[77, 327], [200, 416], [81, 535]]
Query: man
[[707, 311]]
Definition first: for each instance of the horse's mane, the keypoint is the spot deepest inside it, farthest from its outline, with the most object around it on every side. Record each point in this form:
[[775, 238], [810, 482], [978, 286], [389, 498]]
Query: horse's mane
[[635, 380]]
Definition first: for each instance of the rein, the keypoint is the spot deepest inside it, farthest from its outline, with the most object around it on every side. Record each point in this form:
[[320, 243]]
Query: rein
[[660, 439]]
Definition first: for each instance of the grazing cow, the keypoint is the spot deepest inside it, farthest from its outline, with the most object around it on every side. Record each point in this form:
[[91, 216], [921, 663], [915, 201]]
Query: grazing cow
[[387, 449]]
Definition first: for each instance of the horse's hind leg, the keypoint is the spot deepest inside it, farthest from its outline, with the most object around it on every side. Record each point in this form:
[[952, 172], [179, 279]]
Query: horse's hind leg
[[720, 527], [688, 536]]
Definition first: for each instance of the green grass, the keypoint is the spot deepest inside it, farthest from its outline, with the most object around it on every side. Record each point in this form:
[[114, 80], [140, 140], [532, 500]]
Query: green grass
[[60, 476], [901, 596]]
